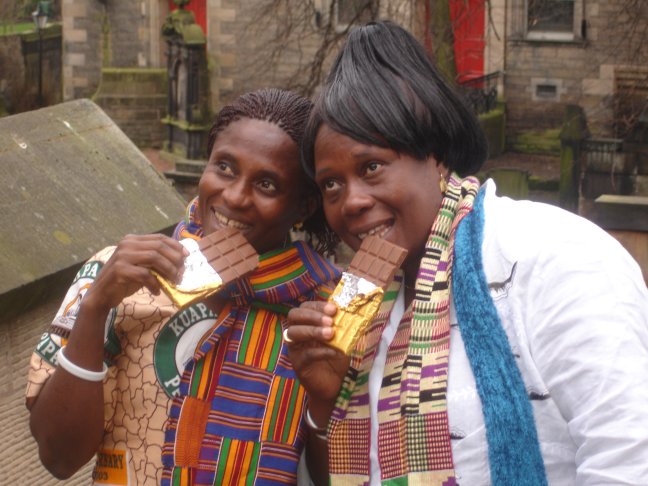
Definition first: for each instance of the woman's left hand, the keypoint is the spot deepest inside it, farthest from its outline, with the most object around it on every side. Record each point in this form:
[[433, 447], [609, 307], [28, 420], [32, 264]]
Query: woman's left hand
[[320, 367]]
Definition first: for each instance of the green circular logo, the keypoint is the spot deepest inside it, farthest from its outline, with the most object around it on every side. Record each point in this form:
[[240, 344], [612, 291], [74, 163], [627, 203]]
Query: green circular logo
[[176, 344]]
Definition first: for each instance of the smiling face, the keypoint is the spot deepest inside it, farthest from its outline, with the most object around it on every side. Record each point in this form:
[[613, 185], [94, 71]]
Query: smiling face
[[368, 189], [253, 182]]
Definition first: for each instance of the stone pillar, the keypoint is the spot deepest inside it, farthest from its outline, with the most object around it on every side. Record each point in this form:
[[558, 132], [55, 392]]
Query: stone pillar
[[83, 23], [188, 99], [571, 136]]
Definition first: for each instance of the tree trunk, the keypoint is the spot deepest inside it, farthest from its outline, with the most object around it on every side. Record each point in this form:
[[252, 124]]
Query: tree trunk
[[442, 37]]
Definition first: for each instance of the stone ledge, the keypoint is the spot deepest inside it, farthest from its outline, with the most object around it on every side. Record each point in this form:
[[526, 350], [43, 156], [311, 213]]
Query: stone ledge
[[627, 213]]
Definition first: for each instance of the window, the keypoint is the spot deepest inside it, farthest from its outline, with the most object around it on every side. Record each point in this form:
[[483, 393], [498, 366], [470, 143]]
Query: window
[[544, 89], [552, 19]]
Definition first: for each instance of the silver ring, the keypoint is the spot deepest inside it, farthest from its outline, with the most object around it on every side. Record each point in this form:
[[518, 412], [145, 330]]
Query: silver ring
[[286, 339]]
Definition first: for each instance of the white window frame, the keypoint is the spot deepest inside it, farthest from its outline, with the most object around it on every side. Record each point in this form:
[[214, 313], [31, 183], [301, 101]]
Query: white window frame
[[548, 35]]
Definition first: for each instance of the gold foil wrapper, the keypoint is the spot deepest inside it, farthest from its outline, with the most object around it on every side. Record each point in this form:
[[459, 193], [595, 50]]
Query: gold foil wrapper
[[352, 319], [183, 298], [199, 280]]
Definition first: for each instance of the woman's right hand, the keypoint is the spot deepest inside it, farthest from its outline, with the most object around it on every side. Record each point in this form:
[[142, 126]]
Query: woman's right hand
[[67, 417], [129, 269], [320, 367]]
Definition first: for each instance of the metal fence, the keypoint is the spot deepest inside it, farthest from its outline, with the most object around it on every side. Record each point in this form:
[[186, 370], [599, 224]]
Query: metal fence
[[481, 92], [602, 154]]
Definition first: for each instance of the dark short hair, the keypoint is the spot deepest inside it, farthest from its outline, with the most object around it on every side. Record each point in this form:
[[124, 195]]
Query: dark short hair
[[289, 111], [384, 90]]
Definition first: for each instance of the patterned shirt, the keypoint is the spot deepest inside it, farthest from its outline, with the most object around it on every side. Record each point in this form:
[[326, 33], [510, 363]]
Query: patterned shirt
[[149, 343]]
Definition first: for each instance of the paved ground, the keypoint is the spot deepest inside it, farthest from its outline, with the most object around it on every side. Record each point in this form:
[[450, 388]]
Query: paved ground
[[154, 157]]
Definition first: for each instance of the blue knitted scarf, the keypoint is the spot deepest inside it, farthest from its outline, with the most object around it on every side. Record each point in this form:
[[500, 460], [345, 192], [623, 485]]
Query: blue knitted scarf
[[513, 448]]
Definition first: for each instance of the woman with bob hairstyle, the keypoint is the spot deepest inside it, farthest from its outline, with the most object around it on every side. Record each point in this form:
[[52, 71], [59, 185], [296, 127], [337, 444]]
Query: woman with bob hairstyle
[[511, 348]]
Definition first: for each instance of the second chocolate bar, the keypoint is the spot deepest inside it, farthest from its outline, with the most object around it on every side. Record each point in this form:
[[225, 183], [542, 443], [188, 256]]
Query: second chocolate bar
[[377, 260], [361, 289]]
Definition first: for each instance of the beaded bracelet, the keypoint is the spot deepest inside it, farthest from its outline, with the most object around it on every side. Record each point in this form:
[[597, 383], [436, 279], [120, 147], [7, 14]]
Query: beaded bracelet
[[320, 432], [77, 371]]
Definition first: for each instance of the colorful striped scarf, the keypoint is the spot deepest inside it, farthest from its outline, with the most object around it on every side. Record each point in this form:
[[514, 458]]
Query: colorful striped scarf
[[414, 445], [238, 416], [413, 435]]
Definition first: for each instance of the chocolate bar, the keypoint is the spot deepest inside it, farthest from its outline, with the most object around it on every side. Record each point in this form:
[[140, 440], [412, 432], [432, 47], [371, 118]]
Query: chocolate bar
[[213, 262], [377, 260], [361, 289], [229, 253]]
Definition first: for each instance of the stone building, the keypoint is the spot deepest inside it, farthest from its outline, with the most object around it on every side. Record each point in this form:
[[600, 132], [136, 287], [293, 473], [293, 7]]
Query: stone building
[[551, 52], [101, 38], [589, 53]]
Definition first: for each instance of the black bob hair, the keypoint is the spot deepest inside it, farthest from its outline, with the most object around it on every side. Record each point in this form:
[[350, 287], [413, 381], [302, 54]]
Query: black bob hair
[[384, 90]]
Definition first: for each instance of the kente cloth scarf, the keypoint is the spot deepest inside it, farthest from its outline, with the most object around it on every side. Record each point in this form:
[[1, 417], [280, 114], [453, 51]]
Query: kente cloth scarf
[[414, 445], [238, 416]]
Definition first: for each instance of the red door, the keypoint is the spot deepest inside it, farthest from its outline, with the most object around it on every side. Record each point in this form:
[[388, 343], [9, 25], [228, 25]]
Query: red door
[[467, 18], [199, 8]]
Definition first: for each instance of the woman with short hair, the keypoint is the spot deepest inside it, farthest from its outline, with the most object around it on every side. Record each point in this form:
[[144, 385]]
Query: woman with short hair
[[513, 346]]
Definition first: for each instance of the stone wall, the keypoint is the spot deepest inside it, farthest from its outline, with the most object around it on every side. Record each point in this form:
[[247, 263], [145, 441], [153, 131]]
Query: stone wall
[[241, 43], [136, 100], [238, 64], [83, 23], [109, 34], [124, 34]]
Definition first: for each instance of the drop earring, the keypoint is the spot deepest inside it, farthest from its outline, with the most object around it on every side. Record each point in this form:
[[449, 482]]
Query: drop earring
[[443, 184]]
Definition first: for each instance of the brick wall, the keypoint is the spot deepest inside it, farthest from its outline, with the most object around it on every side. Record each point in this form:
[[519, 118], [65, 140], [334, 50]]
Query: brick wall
[[240, 43], [236, 50]]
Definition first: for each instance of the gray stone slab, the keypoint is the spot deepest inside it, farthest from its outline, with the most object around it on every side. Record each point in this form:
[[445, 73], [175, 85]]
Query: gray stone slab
[[623, 213], [72, 183]]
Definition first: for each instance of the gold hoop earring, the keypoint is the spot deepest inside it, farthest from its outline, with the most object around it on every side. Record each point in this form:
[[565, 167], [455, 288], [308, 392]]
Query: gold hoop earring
[[443, 184]]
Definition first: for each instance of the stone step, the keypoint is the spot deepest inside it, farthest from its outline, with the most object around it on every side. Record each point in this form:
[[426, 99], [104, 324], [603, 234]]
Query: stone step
[[182, 176], [190, 166], [183, 164], [617, 212]]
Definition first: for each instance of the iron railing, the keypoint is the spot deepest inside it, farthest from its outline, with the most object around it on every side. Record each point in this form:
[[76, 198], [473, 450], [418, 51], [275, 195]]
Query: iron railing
[[481, 92]]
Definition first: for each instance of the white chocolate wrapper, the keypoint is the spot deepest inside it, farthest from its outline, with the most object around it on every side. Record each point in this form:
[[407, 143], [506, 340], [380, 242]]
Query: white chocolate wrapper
[[198, 281]]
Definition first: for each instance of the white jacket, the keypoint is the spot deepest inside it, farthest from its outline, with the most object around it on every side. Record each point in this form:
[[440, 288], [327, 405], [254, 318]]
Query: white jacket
[[575, 309]]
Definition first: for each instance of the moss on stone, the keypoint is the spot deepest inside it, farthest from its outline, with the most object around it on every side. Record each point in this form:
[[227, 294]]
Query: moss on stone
[[538, 142]]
